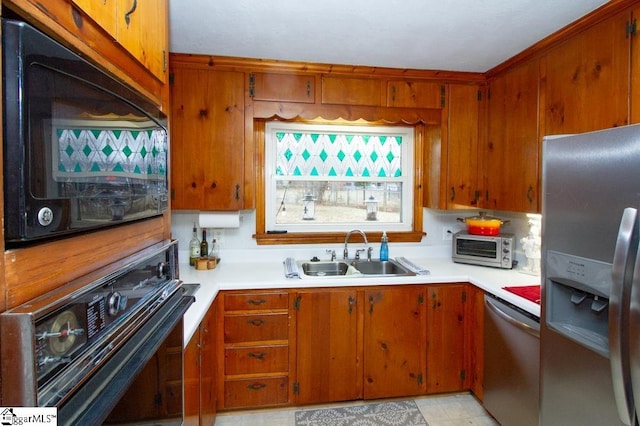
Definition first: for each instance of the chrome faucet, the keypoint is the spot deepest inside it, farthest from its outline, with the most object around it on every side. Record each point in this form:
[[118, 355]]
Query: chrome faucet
[[366, 244]]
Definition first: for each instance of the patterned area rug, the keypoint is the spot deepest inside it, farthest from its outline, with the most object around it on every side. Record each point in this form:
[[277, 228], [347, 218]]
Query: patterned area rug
[[395, 413]]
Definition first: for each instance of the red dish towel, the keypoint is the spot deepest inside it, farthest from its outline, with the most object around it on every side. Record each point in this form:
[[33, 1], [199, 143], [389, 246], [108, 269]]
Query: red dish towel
[[529, 292]]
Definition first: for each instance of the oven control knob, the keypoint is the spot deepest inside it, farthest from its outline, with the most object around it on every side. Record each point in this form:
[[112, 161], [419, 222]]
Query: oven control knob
[[116, 303], [45, 216]]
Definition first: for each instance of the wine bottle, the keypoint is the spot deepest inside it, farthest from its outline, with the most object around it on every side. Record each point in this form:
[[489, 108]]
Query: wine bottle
[[204, 246], [194, 247]]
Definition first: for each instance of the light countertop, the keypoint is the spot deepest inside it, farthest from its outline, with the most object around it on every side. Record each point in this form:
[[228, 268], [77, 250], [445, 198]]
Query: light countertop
[[270, 275]]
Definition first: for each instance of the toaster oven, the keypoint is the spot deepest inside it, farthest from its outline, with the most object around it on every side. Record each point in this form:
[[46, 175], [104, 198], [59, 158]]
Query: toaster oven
[[496, 251]]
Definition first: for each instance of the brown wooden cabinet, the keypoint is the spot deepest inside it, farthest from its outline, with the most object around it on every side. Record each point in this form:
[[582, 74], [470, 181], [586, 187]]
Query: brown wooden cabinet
[[199, 374], [207, 139], [282, 87], [464, 107], [254, 331], [360, 343], [415, 94], [585, 80], [394, 341], [448, 351], [329, 347], [141, 27], [511, 154], [353, 90]]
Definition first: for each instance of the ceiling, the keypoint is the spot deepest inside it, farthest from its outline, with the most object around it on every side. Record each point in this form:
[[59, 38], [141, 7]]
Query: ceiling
[[453, 35]]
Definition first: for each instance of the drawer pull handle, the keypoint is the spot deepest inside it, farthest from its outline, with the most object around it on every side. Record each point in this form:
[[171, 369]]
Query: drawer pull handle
[[259, 356], [256, 301], [256, 322], [256, 386]]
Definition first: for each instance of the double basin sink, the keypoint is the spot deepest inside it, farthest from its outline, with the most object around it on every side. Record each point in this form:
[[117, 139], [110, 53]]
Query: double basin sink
[[353, 268]]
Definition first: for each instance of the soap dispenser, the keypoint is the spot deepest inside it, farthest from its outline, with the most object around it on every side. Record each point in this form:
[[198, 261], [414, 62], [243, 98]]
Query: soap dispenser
[[384, 247]]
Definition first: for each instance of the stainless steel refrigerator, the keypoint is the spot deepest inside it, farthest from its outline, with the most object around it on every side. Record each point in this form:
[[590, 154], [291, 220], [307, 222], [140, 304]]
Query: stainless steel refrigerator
[[590, 325]]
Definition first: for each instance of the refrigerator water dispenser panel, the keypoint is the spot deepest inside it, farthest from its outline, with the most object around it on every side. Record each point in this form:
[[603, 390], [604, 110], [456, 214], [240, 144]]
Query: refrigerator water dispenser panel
[[577, 299]]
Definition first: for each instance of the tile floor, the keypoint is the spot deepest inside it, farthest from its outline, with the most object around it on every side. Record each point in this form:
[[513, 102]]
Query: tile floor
[[448, 410]]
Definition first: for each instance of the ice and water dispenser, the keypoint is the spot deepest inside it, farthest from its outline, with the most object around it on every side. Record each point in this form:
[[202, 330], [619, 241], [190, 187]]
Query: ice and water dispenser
[[577, 299]]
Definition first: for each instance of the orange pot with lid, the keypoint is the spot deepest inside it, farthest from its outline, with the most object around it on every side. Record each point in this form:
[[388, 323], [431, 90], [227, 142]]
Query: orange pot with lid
[[483, 224]]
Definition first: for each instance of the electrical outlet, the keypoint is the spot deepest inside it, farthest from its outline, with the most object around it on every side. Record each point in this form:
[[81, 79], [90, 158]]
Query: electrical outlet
[[447, 234]]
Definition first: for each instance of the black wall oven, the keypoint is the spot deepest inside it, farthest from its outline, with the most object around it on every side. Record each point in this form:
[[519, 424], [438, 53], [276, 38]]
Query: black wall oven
[[104, 349], [81, 150]]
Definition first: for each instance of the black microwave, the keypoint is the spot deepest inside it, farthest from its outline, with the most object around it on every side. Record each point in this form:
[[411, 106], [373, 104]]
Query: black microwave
[[81, 150]]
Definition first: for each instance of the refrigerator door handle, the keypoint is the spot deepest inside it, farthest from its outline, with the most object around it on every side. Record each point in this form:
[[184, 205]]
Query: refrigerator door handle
[[634, 335], [623, 260]]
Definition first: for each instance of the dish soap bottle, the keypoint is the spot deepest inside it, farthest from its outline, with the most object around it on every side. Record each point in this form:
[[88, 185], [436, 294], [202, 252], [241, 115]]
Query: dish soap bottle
[[384, 247], [194, 247]]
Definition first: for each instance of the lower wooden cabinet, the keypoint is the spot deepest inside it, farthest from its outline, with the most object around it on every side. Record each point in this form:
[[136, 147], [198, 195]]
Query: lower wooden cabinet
[[253, 339], [318, 345], [199, 374], [328, 345], [395, 341]]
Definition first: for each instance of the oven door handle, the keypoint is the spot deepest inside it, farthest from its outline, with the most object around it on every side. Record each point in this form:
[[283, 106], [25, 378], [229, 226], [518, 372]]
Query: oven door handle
[[93, 402]]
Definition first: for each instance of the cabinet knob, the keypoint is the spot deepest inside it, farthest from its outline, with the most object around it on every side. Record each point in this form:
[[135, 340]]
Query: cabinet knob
[[213, 185], [256, 322]]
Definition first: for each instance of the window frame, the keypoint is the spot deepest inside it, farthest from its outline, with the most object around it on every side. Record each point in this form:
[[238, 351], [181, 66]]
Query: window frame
[[264, 237], [407, 133]]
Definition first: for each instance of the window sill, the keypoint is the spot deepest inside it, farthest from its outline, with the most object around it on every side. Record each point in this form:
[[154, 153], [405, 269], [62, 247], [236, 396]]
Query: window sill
[[332, 238]]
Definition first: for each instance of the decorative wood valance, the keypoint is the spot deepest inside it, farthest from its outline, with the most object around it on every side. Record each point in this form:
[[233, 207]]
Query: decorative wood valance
[[383, 115]]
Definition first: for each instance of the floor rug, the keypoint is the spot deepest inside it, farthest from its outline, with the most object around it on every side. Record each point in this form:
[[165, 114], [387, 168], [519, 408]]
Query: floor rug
[[395, 413]]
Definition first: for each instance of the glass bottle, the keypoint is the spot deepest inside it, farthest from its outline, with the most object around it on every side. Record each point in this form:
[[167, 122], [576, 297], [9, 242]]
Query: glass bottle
[[384, 247], [194, 247], [204, 246]]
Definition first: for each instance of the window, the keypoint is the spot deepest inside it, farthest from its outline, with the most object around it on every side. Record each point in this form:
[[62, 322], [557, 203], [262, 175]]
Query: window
[[333, 178]]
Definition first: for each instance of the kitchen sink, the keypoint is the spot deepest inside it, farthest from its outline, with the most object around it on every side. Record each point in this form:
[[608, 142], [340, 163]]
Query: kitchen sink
[[380, 267], [322, 269], [353, 268]]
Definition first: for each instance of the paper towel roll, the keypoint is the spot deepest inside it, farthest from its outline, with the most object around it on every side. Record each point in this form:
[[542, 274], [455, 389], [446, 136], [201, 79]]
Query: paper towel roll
[[219, 219]]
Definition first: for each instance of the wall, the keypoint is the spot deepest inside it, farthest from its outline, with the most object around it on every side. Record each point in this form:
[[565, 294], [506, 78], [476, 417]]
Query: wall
[[238, 244]]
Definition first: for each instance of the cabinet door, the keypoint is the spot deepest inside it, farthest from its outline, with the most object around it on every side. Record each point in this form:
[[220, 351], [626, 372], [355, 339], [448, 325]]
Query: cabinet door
[[192, 381], [282, 87], [511, 154], [586, 80], [394, 342], [353, 91], [142, 30], [446, 362], [463, 107], [329, 365], [415, 94], [208, 364], [207, 138], [103, 12]]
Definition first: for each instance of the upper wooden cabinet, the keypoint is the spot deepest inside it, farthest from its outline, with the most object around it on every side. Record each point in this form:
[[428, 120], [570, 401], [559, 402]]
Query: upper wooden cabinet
[[415, 94], [463, 109], [511, 153], [282, 87], [139, 26], [207, 139], [585, 80], [353, 90]]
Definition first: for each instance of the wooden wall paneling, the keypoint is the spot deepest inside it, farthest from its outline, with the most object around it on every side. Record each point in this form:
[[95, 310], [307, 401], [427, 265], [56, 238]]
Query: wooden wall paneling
[[32, 271]]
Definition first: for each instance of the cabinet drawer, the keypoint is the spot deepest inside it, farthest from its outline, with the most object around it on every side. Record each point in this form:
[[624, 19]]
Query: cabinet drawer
[[254, 328], [256, 392], [255, 301], [256, 359]]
